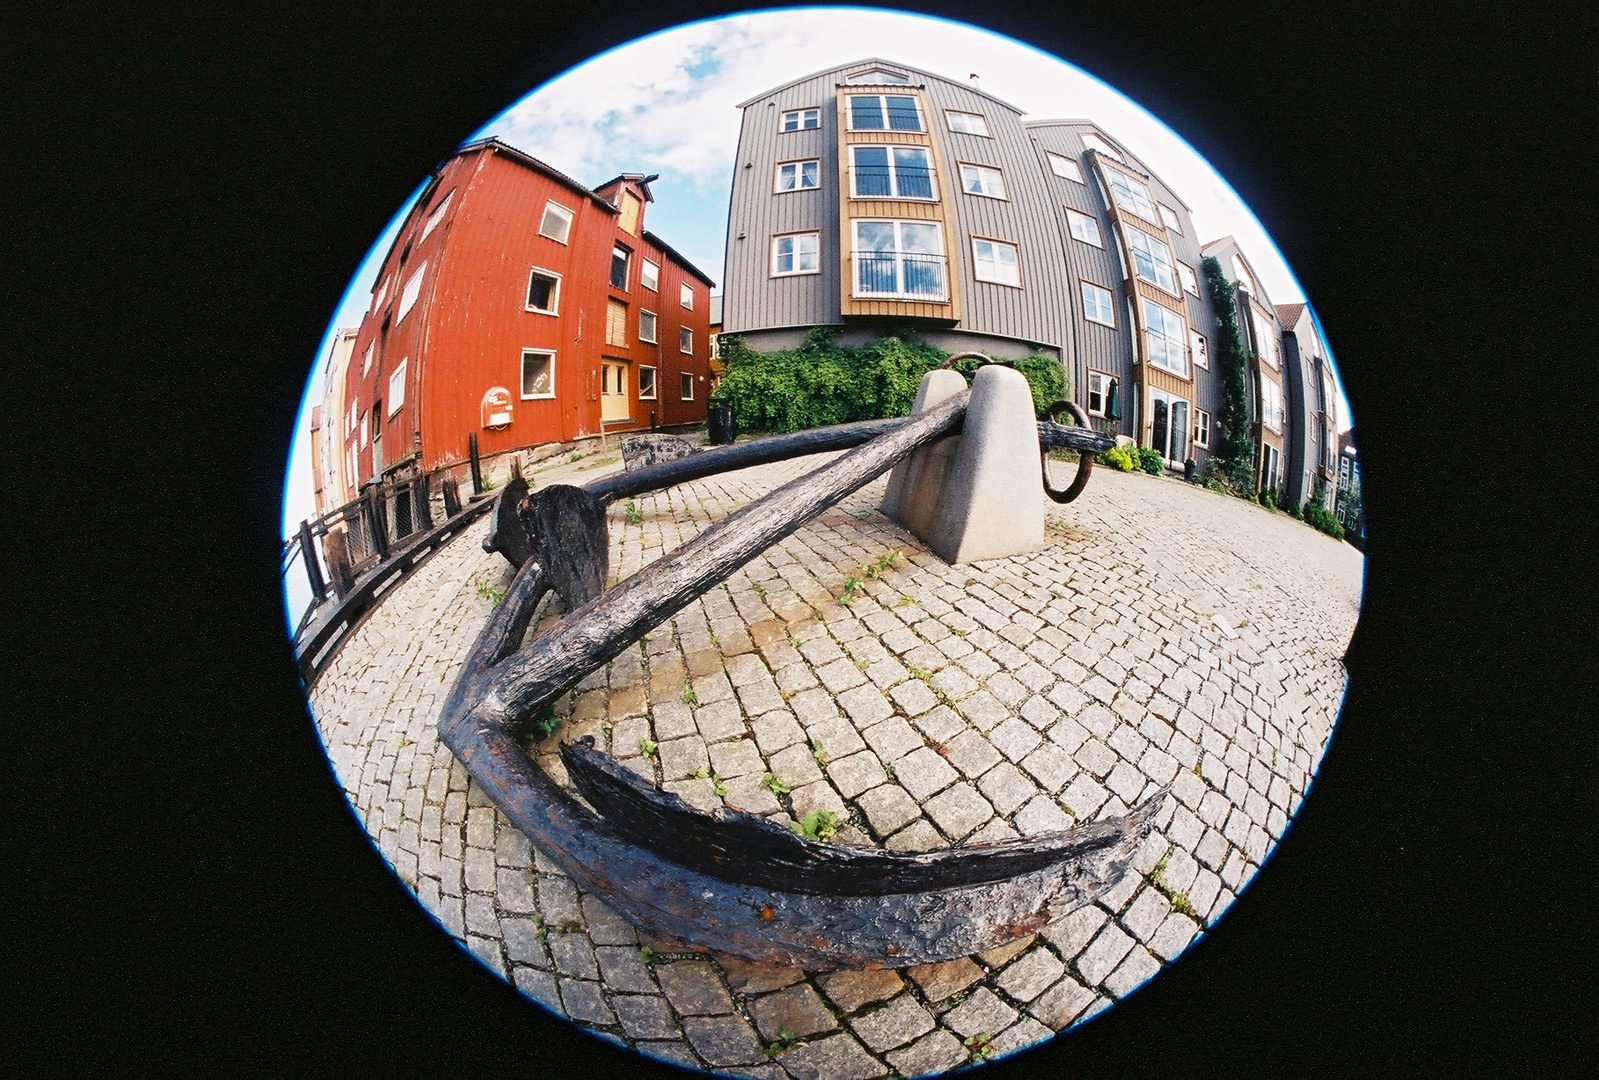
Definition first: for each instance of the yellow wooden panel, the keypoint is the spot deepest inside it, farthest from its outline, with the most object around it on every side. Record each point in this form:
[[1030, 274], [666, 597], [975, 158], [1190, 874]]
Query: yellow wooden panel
[[629, 213]]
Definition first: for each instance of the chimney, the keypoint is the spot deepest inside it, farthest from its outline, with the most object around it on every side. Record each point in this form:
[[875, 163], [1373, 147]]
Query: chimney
[[976, 83]]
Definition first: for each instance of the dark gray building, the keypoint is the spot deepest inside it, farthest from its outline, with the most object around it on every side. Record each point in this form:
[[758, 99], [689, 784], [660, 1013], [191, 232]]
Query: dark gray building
[[876, 194], [1312, 435]]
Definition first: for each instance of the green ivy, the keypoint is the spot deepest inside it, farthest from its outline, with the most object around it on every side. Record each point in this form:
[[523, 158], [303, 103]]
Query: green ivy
[[1322, 518], [1150, 461], [822, 382], [1233, 449]]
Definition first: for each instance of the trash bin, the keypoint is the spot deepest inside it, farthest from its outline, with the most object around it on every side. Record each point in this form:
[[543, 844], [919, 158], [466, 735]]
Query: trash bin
[[720, 423]]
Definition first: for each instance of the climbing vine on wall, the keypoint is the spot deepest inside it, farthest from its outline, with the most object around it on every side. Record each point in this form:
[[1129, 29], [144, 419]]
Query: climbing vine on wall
[[1233, 448], [821, 382]]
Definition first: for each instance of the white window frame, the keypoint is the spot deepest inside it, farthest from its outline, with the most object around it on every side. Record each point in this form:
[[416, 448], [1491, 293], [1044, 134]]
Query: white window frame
[[1098, 384], [1171, 401], [941, 297], [654, 383], [365, 414], [396, 395], [983, 175], [1169, 218], [798, 168], [1243, 277], [1153, 246], [685, 379], [685, 340], [998, 264], [436, 216], [882, 99], [381, 294], [1271, 405], [685, 296], [1175, 343], [1095, 141], [795, 255], [649, 274], [411, 293], [366, 358], [1109, 303], [1079, 224], [1064, 167], [1201, 429], [555, 291], [893, 192], [1198, 349], [1135, 199], [563, 214], [1186, 278], [549, 357], [654, 326], [981, 127], [626, 253], [814, 116], [1265, 340]]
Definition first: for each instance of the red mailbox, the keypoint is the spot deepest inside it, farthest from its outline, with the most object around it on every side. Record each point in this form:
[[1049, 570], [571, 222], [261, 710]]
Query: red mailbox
[[497, 408]]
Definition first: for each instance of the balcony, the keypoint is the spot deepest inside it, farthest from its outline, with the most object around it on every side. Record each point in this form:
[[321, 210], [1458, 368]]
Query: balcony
[[900, 275], [892, 182]]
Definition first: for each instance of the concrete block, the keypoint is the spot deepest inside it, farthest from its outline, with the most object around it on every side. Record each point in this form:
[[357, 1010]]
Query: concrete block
[[979, 496]]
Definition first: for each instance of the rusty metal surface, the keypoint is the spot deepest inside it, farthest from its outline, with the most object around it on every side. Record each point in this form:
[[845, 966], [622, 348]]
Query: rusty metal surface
[[767, 899], [1060, 437]]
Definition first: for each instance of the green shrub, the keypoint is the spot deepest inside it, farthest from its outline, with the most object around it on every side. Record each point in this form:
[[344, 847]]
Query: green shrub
[[1120, 457], [1322, 518], [1150, 461], [822, 382]]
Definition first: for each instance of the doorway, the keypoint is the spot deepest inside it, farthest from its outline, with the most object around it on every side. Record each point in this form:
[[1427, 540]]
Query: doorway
[[1170, 434], [614, 404]]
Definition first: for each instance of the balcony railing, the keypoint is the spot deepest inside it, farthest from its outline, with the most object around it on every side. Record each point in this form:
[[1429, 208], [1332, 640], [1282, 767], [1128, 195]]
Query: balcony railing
[[891, 275], [897, 182]]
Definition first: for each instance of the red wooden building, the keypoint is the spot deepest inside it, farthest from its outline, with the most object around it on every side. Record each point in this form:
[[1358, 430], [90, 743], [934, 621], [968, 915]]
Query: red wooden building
[[519, 304]]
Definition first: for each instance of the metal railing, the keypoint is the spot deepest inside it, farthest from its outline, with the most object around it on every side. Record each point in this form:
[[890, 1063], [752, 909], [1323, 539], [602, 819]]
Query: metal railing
[[892, 182], [900, 275]]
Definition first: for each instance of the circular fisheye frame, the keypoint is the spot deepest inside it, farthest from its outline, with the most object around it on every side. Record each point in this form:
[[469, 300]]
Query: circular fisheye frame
[[868, 616]]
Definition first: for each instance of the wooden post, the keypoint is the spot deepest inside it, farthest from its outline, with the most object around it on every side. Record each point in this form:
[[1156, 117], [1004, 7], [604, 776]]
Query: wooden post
[[313, 569], [421, 500], [477, 463], [338, 556], [452, 497], [377, 517]]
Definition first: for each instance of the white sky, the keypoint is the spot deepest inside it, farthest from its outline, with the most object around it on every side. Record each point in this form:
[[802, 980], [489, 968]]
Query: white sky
[[667, 104]]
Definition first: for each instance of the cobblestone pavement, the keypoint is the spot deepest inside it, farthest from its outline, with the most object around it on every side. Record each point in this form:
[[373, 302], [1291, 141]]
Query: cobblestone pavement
[[1167, 634]]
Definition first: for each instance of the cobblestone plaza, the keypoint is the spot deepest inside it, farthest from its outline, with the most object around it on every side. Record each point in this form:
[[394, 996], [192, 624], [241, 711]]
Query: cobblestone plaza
[[1167, 634]]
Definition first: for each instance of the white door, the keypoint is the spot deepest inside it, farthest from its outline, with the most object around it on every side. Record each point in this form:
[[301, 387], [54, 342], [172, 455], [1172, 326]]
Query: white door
[[614, 403]]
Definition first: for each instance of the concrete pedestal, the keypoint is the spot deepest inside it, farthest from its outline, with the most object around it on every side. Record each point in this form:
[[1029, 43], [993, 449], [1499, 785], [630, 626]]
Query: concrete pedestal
[[978, 495]]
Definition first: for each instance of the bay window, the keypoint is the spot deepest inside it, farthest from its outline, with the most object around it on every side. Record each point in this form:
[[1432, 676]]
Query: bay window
[[1165, 338], [899, 259]]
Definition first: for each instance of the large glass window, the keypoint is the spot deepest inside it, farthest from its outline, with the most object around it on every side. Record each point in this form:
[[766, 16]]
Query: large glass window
[[1098, 305], [899, 259], [649, 275], [646, 383], [1271, 405], [1153, 260], [1131, 195], [883, 112], [1166, 338], [796, 253], [994, 260], [1084, 228], [899, 172], [799, 175], [983, 180], [1265, 339], [646, 326]]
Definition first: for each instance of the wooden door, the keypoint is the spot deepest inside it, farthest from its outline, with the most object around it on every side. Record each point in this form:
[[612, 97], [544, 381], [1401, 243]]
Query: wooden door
[[614, 403]]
